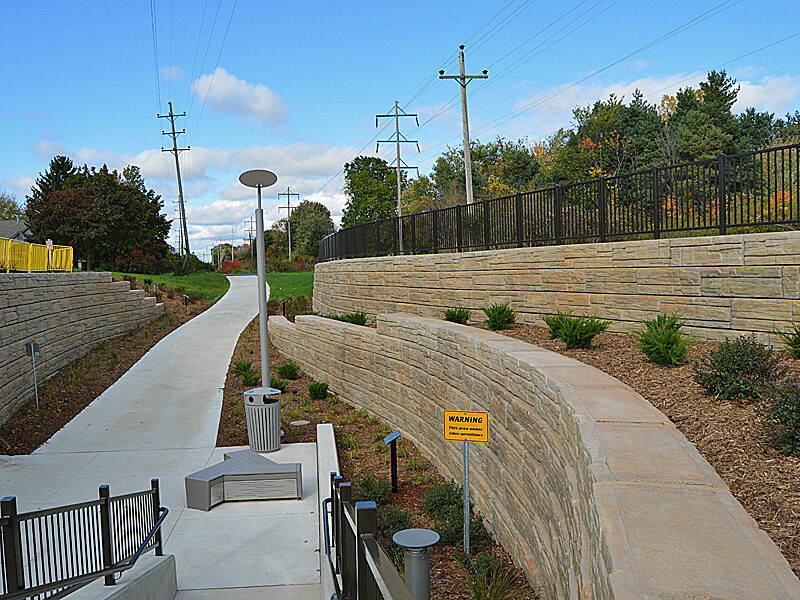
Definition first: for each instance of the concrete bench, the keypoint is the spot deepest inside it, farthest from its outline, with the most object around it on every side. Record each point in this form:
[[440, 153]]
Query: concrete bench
[[243, 475]]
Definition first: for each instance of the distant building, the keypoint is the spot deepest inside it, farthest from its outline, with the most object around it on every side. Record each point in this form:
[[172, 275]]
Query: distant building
[[14, 229]]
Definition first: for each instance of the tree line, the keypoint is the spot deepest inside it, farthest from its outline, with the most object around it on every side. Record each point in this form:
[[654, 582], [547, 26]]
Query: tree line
[[609, 137]]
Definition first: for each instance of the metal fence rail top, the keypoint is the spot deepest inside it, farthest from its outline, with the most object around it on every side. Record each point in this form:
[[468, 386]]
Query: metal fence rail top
[[759, 188], [23, 256]]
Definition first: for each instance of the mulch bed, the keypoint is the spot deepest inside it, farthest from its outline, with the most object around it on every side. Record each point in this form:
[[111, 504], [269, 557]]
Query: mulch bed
[[359, 440], [75, 386], [728, 435]]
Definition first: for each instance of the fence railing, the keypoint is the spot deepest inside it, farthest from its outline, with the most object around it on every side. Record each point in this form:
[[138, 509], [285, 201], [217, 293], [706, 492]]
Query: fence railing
[[50, 553], [361, 569], [754, 188], [22, 256]]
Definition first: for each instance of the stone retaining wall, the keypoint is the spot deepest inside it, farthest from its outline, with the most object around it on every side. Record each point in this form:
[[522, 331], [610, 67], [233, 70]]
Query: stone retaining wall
[[67, 314], [722, 285], [592, 490]]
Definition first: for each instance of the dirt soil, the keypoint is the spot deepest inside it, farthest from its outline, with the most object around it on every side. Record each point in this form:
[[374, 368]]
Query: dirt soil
[[728, 435], [75, 386], [359, 439]]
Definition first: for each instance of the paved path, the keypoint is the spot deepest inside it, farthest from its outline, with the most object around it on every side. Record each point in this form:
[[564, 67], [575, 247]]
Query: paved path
[[160, 420]]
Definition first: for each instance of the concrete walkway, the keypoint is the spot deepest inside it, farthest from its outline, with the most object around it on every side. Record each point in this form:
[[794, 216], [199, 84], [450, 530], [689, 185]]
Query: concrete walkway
[[160, 420]]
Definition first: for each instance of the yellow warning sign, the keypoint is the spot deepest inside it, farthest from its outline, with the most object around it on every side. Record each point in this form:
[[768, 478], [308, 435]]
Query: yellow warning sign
[[466, 426]]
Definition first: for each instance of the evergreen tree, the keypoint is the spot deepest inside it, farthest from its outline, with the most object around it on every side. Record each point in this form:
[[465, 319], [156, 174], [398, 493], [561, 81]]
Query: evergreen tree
[[53, 179]]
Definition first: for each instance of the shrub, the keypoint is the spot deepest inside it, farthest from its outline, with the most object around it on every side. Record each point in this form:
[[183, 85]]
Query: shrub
[[356, 318], [147, 281], [371, 488], [576, 331], [741, 369], [288, 370], [278, 384], [240, 367], [229, 266], [662, 341], [782, 417], [392, 519], [500, 316], [792, 339], [491, 578], [440, 497], [251, 378], [457, 314], [317, 390]]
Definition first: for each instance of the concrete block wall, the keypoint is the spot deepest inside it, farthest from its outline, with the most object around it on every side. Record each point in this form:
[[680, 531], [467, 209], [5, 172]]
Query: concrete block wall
[[723, 285], [67, 314], [592, 490]]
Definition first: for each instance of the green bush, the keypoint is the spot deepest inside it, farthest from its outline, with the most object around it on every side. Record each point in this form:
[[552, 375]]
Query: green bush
[[240, 367], [491, 578], [251, 378], [147, 281], [278, 384], [317, 390], [500, 316], [782, 417], [663, 342], [792, 339], [742, 369], [288, 370], [356, 318], [371, 488], [576, 331], [392, 519], [457, 314], [440, 497]]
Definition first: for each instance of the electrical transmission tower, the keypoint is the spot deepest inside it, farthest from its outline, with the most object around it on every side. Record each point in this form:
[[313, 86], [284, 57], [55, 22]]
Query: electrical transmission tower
[[184, 237], [398, 139], [463, 80], [288, 193]]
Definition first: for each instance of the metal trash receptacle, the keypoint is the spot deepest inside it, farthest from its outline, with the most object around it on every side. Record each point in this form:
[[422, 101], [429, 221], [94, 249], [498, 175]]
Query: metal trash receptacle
[[262, 409]]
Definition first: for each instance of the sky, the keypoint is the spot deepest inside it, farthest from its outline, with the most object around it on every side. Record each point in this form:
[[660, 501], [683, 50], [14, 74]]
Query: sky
[[294, 87]]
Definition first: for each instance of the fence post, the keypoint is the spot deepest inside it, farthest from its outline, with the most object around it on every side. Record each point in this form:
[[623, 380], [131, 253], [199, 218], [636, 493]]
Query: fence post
[[435, 231], [459, 229], [602, 207], [335, 516], [30, 256], [156, 515], [105, 533], [518, 206], [722, 206], [348, 554], [558, 224], [12, 551], [656, 208], [366, 524], [413, 233], [485, 206]]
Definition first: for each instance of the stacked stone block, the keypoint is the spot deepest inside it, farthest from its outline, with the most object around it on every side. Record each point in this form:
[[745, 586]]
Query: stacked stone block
[[593, 492], [724, 286], [67, 314]]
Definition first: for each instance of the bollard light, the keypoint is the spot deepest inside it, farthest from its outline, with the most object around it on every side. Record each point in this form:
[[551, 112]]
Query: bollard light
[[416, 545]]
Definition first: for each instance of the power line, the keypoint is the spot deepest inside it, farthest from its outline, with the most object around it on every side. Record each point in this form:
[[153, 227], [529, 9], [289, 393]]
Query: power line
[[196, 49], [154, 29], [205, 54]]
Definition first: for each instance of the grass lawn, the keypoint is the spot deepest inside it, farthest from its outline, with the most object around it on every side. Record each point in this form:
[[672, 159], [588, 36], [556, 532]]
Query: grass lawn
[[210, 285], [282, 285]]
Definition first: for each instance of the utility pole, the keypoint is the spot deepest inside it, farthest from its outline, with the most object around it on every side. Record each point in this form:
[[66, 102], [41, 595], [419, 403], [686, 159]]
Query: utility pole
[[399, 164], [288, 193], [250, 231], [463, 80], [175, 151], [233, 233]]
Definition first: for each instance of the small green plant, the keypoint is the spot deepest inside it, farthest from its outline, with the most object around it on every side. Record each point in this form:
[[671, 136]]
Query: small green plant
[[356, 318], [349, 442], [371, 488], [380, 448], [576, 331], [423, 477], [251, 378], [741, 369], [317, 390], [233, 401], [240, 367], [500, 316], [278, 384], [289, 370], [372, 420], [147, 281], [490, 578], [457, 314], [416, 464], [663, 342], [441, 497], [392, 519], [782, 417], [791, 338]]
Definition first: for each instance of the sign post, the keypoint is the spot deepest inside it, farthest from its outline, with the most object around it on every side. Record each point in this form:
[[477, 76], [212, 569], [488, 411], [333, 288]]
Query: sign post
[[391, 439], [466, 427], [32, 350]]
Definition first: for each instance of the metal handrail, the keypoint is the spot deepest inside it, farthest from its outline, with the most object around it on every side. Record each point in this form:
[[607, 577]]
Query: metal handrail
[[386, 576]]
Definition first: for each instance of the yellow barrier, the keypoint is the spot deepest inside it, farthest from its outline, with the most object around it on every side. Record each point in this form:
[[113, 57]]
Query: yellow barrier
[[22, 256]]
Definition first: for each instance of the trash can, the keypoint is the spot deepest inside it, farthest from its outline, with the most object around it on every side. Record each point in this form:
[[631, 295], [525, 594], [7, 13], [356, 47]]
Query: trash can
[[262, 409]]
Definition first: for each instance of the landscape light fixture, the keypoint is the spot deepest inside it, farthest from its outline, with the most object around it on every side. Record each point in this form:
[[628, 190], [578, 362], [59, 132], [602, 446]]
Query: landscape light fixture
[[260, 178]]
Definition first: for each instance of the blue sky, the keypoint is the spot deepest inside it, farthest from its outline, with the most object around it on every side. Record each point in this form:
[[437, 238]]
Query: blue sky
[[295, 86]]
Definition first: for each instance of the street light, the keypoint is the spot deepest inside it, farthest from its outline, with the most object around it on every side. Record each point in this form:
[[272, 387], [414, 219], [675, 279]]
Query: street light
[[259, 178]]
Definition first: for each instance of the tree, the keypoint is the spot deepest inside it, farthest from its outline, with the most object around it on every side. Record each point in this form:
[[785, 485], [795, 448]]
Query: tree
[[371, 189], [311, 221], [58, 172], [9, 208], [420, 195]]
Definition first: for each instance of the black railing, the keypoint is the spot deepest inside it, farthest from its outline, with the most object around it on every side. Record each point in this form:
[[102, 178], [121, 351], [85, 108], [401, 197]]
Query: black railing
[[754, 188], [50, 553], [361, 569]]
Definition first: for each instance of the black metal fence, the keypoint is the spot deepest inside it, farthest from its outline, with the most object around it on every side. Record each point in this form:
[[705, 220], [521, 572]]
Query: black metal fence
[[754, 188], [50, 553], [361, 569]]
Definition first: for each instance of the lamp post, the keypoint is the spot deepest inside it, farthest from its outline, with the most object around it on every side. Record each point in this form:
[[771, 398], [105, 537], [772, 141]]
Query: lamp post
[[259, 178]]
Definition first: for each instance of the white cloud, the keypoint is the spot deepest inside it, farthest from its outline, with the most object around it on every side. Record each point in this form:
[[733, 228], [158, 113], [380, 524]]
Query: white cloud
[[248, 101], [21, 186], [774, 94], [171, 72], [48, 149]]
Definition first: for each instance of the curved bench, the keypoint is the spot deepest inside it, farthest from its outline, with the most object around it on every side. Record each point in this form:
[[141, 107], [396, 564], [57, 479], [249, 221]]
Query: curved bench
[[592, 490]]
